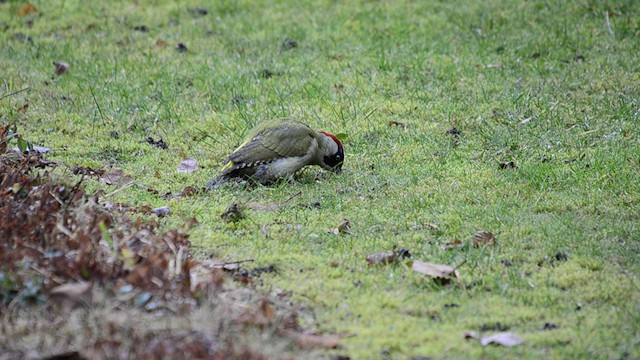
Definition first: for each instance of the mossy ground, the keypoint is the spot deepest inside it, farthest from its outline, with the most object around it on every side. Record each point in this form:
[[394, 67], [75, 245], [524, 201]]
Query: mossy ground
[[551, 86]]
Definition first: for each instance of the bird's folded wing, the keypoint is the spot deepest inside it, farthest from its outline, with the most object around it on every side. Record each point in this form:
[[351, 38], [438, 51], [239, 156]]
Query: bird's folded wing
[[287, 139]]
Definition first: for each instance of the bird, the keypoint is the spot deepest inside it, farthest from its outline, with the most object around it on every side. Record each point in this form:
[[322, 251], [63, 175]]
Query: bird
[[278, 149]]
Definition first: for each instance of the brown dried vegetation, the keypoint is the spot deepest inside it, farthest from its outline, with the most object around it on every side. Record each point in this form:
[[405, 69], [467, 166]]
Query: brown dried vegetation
[[83, 279]]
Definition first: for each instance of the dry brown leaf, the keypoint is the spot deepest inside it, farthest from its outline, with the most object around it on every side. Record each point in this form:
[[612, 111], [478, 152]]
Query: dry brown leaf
[[187, 166], [115, 177], [381, 258], [388, 258], [262, 315], [505, 339], [26, 9], [483, 237], [507, 165], [397, 123], [23, 109], [343, 228], [61, 67], [72, 294], [233, 213], [455, 244], [189, 191], [434, 270], [266, 309]]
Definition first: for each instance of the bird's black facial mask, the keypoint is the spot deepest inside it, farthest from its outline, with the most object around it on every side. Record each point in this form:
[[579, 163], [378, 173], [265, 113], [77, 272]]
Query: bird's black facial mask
[[335, 161]]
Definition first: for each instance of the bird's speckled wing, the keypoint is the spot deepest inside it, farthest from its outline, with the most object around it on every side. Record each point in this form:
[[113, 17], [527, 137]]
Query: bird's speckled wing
[[270, 142]]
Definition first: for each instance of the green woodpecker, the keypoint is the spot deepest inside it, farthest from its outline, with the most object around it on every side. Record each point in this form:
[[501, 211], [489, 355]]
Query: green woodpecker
[[277, 149]]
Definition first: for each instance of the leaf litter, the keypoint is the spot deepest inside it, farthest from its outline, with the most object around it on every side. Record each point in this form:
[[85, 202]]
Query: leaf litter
[[82, 255]]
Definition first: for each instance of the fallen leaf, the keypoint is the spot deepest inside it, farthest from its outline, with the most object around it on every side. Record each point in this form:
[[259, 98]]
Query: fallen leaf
[[72, 294], [397, 123], [161, 211], [388, 258], [80, 170], [288, 44], [33, 148], [507, 165], [61, 67], [262, 315], [483, 237], [159, 144], [161, 43], [381, 258], [455, 244], [343, 228], [265, 73], [23, 109], [198, 11], [187, 166], [505, 339], [436, 271], [115, 176], [453, 132], [141, 28], [188, 191], [26, 9], [181, 47], [233, 213]]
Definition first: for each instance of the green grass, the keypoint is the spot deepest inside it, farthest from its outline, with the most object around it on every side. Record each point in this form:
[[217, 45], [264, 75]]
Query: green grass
[[553, 86]]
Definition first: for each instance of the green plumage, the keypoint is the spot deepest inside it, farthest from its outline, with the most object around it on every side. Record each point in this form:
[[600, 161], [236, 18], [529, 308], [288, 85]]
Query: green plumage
[[269, 141]]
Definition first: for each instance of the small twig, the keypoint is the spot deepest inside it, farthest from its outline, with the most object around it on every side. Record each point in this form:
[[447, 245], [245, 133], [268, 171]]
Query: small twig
[[460, 265], [291, 198], [129, 184], [14, 93], [371, 112], [28, 246], [232, 263]]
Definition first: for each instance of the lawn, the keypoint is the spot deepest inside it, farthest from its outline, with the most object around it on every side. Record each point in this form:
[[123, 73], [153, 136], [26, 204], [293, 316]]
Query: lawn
[[520, 118]]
